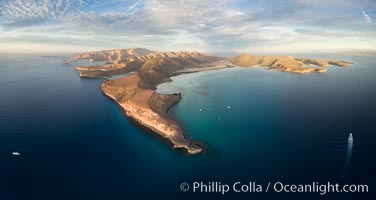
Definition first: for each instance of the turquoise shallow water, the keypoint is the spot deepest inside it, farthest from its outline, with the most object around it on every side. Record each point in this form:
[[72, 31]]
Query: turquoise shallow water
[[75, 143]]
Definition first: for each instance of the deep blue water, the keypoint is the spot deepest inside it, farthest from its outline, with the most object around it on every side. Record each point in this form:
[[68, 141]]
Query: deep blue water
[[75, 143]]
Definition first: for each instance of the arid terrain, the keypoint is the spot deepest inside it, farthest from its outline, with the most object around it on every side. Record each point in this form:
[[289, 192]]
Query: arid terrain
[[137, 95]]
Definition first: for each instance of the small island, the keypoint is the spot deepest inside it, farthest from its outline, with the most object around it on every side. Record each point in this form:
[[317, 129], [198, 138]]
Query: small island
[[136, 93]]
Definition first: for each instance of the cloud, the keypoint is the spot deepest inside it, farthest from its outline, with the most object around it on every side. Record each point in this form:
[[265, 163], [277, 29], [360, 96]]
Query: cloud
[[22, 13], [367, 18], [195, 24]]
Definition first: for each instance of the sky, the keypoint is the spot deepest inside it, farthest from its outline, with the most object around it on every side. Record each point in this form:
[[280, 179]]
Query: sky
[[195, 25]]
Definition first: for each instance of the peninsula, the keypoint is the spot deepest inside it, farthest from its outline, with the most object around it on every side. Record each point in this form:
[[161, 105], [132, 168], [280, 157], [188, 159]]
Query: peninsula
[[136, 93]]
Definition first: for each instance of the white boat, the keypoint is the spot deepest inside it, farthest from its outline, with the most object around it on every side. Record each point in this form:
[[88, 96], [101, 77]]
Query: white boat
[[15, 153], [350, 142], [228, 107], [200, 110]]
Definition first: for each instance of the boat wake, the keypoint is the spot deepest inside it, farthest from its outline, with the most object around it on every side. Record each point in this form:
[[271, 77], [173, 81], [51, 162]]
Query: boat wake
[[350, 143]]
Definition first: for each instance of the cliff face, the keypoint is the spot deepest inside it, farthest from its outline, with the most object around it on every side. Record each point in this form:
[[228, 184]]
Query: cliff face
[[287, 63]]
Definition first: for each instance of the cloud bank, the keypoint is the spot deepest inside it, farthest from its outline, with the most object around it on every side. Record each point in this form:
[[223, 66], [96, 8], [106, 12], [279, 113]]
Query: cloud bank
[[212, 26]]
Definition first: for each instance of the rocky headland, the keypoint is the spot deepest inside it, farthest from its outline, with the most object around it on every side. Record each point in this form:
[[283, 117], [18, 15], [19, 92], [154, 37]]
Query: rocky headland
[[136, 93]]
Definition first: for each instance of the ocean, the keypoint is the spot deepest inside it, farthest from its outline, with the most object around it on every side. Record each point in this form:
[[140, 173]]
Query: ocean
[[256, 125]]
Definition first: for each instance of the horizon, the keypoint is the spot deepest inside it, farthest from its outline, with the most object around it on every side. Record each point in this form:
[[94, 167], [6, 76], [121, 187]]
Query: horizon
[[277, 26], [224, 54]]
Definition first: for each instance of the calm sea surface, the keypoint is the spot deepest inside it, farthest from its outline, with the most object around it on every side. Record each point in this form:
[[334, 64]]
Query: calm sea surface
[[256, 125]]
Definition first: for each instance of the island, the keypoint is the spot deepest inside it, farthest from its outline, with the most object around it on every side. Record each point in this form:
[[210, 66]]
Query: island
[[136, 93], [287, 63]]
